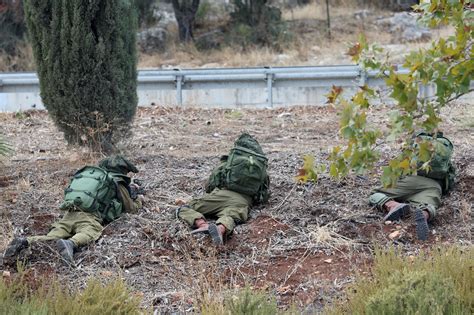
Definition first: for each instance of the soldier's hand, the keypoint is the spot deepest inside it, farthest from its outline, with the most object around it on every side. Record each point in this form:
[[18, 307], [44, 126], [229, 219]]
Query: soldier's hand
[[136, 188]]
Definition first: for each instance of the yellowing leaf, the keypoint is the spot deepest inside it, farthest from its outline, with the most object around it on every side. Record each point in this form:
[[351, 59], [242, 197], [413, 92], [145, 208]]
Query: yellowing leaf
[[333, 94], [307, 172], [405, 164], [424, 151]]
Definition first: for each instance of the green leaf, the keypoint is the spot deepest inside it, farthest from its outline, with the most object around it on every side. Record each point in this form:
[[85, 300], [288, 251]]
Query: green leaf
[[333, 170], [348, 132], [424, 151]]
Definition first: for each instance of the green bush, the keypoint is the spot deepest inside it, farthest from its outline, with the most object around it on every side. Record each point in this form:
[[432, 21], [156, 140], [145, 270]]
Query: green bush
[[258, 23], [242, 302], [440, 282], [85, 52], [145, 12], [251, 302], [205, 8], [26, 295], [415, 293], [241, 35]]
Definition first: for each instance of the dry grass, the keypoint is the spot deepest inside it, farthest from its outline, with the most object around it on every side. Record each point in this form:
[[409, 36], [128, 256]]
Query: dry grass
[[188, 57], [316, 10]]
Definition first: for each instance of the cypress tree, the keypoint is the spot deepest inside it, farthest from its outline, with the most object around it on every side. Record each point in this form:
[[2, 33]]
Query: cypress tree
[[85, 52]]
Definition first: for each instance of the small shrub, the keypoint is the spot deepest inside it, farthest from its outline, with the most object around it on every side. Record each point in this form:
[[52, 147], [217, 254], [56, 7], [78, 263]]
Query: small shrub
[[5, 148], [415, 293], [438, 283], [205, 8], [25, 294], [242, 302], [251, 302], [145, 12], [241, 34]]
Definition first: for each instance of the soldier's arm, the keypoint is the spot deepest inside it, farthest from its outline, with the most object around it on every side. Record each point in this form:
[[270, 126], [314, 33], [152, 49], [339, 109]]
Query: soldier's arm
[[128, 204]]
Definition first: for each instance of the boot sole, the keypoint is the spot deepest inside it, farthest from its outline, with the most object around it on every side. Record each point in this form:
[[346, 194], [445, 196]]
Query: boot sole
[[397, 213], [422, 229], [215, 235], [201, 230]]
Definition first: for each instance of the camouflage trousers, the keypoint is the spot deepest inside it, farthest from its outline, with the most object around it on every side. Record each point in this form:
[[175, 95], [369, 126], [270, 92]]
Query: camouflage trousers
[[80, 227], [417, 190], [228, 206]]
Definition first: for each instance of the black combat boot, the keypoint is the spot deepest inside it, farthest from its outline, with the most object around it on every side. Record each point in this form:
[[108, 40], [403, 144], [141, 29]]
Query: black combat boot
[[421, 221], [396, 210], [217, 233], [13, 250], [66, 249]]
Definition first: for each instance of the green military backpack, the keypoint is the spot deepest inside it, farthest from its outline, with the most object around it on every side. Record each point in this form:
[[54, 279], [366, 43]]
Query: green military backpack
[[440, 167], [93, 189], [244, 170]]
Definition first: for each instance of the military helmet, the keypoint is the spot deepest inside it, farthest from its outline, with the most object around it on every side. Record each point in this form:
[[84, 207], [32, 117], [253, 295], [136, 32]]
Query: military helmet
[[118, 164]]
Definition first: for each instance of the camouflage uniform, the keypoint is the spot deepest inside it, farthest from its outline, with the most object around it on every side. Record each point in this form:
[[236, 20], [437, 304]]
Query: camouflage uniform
[[228, 206], [78, 228], [420, 191], [83, 227]]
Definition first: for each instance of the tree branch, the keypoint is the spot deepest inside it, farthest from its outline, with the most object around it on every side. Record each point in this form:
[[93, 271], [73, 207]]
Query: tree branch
[[458, 96]]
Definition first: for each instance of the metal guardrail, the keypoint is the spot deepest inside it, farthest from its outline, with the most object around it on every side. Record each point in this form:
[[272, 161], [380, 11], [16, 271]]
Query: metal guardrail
[[267, 78], [207, 79]]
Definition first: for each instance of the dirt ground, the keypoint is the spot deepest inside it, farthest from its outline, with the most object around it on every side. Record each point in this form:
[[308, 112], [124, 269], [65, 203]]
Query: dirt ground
[[304, 246]]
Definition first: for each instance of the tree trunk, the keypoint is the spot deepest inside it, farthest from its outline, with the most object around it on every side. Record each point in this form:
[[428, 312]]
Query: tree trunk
[[185, 13], [328, 19]]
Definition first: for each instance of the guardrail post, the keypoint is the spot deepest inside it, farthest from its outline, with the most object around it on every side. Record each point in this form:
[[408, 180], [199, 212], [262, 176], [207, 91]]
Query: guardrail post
[[269, 79], [363, 78], [179, 89]]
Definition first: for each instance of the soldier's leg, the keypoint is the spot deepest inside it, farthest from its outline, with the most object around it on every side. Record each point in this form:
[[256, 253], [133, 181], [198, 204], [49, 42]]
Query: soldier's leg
[[425, 199], [87, 229], [188, 214], [428, 196], [208, 205], [425, 196], [60, 230], [230, 216], [392, 199], [404, 188]]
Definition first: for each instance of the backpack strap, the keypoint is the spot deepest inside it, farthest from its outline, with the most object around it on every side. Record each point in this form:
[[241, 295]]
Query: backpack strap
[[250, 152]]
